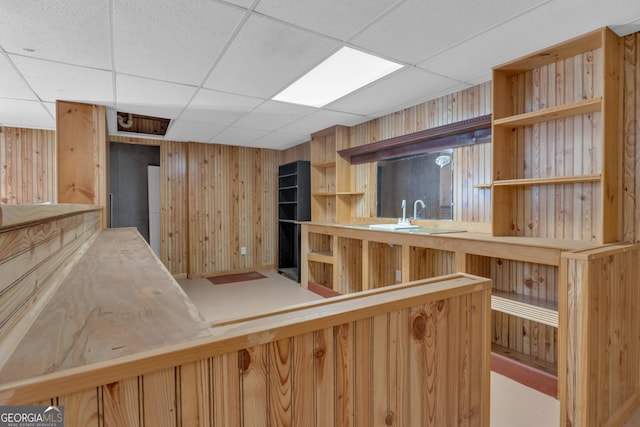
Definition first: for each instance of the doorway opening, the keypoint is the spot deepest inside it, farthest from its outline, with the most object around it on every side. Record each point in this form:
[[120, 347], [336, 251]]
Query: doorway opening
[[134, 185]]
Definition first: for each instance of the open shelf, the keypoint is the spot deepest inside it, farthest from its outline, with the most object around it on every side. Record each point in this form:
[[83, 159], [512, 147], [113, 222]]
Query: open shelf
[[525, 307], [324, 164], [524, 182], [323, 257], [324, 193], [350, 193], [551, 113]]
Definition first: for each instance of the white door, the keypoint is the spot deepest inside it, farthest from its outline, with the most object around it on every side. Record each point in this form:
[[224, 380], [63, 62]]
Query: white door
[[154, 208]]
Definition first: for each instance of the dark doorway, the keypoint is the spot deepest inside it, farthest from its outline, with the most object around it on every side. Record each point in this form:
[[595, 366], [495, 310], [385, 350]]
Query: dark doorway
[[129, 203]]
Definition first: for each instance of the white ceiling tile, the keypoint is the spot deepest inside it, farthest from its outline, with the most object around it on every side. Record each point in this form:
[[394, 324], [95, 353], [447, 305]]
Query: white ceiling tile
[[238, 136], [165, 40], [151, 97], [273, 115], [70, 31], [319, 120], [418, 29], [473, 60], [184, 130], [241, 3], [13, 85], [52, 81], [218, 107], [266, 56], [336, 18], [399, 88], [279, 140], [25, 114]]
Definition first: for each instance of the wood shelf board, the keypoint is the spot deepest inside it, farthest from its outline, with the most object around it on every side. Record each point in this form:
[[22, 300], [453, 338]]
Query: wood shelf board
[[526, 307], [524, 182], [291, 187], [551, 113], [483, 186], [325, 257], [350, 193], [323, 193], [324, 164]]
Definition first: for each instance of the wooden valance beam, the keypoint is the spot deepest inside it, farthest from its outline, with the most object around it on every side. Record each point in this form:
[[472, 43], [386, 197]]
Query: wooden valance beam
[[465, 132]]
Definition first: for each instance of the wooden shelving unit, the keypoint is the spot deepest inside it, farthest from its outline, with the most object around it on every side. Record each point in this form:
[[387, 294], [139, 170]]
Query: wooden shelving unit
[[565, 102], [331, 183]]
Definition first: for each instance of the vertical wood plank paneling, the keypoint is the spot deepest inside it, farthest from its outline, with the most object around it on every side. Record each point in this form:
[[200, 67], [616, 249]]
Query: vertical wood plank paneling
[[159, 400], [380, 374], [27, 176], [121, 403], [195, 394], [232, 203], [280, 383], [254, 390], [324, 371], [226, 390], [82, 408], [304, 384], [344, 365]]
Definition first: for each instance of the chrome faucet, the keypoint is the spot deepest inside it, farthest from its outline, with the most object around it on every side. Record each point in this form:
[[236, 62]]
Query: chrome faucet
[[404, 219], [415, 208]]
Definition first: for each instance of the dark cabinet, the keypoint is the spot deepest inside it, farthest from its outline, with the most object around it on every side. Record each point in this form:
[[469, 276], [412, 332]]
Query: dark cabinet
[[294, 205]]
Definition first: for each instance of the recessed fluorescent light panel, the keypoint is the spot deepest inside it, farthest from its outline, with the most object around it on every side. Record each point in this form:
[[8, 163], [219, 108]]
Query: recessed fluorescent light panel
[[343, 72]]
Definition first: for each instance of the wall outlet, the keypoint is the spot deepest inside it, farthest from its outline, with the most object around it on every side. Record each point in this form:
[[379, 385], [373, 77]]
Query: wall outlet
[[243, 250], [398, 276]]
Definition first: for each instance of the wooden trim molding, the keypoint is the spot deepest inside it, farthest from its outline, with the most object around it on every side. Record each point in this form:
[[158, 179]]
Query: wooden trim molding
[[458, 134]]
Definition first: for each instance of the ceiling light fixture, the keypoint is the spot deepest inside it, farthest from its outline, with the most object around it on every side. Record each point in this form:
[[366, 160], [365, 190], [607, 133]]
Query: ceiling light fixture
[[342, 73]]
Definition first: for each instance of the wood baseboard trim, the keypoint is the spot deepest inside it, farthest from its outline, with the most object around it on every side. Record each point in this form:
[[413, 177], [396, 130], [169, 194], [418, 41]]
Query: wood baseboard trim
[[524, 374]]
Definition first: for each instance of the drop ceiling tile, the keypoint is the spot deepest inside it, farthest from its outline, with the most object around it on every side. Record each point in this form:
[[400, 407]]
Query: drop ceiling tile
[[151, 97], [238, 136], [52, 81], [13, 86], [336, 18], [267, 56], [184, 130], [241, 3], [218, 107], [321, 119], [70, 31], [472, 60], [418, 29], [25, 114], [273, 115], [279, 140], [398, 89], [164, 40]]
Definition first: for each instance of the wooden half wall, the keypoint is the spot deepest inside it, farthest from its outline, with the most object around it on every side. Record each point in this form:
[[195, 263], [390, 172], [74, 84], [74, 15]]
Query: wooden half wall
[[413, 355]]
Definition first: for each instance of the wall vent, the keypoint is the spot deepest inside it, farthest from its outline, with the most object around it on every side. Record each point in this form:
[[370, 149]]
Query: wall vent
[[136, 123]]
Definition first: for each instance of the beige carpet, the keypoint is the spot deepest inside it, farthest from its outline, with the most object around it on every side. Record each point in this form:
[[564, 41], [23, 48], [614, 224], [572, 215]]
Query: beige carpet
[[227, 301]]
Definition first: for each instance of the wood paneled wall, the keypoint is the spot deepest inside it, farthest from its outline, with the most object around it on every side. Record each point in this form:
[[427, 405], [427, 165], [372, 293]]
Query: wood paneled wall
[[232, 203], [27, 166], [416, 355], [631, 129], [472, 165], [298, 152]]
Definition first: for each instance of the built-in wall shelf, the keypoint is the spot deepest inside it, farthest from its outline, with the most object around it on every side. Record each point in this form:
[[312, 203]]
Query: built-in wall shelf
[[350, 193], [482, 186], [547, 181], [525, 307], [324, 164], [324, 193], [324, 257], [553, 113]]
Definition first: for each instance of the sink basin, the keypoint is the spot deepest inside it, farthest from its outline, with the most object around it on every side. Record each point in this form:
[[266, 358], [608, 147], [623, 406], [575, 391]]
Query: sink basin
[[392, 226]]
